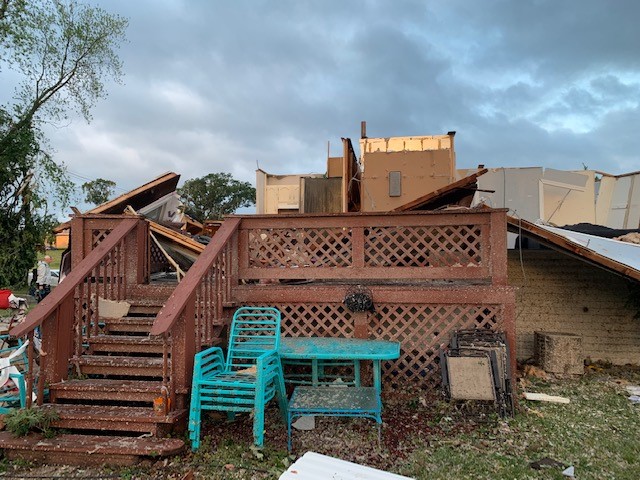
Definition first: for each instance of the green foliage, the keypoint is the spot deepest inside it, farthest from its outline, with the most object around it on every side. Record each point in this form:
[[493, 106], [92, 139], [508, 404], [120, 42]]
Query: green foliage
[[214, 195], [26, 420], [98, 191], [62, 51], [28, 177]]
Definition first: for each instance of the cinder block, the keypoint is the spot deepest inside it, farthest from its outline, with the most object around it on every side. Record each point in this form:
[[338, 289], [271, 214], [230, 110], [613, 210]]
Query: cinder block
[[557, 352]]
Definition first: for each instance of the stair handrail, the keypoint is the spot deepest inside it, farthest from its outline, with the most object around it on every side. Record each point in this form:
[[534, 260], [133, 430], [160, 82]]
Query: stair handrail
[[51, 302], [177, 302]]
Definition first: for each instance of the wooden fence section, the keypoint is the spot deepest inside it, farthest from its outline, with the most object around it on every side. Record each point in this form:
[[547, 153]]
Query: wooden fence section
[[467, 246], [421, 319], [88, 231], [429, 273]]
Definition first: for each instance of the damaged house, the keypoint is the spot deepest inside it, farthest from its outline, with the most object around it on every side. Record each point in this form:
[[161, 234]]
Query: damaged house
[[563, 285]]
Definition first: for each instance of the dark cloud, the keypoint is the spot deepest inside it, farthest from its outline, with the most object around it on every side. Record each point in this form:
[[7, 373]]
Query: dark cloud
[[221, 86]]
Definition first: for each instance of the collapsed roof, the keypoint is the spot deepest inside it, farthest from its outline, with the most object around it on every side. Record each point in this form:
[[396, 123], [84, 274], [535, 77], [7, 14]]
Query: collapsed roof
[[159, 203], [616, 256]]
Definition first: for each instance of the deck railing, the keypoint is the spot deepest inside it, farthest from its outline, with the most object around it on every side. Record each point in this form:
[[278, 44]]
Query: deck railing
[[430, 273], [68, 316], [362, 247], [193, 314]]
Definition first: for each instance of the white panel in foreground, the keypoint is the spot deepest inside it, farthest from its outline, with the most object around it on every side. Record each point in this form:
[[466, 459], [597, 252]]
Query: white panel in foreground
[[314, 466]]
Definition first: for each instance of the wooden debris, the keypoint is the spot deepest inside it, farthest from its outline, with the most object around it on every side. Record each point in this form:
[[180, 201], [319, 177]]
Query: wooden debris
[[543, 397]]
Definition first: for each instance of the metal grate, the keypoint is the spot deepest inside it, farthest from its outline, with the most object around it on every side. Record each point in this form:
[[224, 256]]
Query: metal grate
[[159, 262]]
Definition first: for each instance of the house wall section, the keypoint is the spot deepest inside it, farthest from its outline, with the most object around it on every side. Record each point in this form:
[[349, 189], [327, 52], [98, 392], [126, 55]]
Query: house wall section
[[279, 193], [563, 294], [398, 170], [420, 173], [618, 202]]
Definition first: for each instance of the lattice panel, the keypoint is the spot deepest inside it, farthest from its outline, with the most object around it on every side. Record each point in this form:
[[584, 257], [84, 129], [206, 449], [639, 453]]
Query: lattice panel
[[159, 262], [447, 246], [97, 236], [300, 247], [422, 330], [315, 319]]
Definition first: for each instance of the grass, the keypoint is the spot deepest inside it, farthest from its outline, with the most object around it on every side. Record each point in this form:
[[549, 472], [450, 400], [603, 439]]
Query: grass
[[597, 433]]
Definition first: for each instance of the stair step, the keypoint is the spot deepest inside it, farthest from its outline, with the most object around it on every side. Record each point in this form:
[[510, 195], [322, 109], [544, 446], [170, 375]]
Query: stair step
[[120, 365], [106, 389], [111, 418], [84, 450], [125, 344], [144, 309], [149, 295], [128, 324]]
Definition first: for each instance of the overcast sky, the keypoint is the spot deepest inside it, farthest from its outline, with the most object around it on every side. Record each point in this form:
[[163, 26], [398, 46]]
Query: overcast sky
[[224, 86]]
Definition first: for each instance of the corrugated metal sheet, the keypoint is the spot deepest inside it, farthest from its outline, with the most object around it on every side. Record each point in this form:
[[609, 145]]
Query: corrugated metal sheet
[[622, 252], [619, 257], [314, 466]]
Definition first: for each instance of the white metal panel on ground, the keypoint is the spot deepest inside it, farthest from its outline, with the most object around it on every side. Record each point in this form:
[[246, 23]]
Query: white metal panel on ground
[[314, 466]]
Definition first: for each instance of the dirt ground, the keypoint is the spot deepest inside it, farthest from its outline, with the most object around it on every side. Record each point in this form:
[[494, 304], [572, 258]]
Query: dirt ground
[[411, 418], [407, 416]]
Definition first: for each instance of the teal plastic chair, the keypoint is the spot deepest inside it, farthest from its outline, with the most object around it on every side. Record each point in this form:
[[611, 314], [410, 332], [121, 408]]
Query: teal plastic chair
[[249, 378]]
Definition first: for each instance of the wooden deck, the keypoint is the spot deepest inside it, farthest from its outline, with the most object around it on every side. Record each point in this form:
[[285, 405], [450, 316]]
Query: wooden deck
[[430, 273]]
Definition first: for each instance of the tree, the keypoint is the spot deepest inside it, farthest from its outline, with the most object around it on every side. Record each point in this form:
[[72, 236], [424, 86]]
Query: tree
[[62, 51], [215, 195], [98, 191], [25, 220]]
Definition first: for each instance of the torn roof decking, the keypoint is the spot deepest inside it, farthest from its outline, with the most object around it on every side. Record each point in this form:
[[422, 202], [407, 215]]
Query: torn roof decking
[[137, 198], [452, 194], [618, 257], [177, 238], [142, 196]]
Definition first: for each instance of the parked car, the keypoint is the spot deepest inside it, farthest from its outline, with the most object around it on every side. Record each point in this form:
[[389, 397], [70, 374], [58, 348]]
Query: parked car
[[55, 277]]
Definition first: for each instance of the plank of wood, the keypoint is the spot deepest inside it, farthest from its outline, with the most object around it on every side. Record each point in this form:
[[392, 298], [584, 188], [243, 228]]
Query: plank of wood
[[543, 397]]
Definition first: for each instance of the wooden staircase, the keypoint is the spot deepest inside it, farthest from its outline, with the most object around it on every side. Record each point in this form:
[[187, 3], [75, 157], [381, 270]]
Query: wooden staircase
[[121, 386], [107, 404]]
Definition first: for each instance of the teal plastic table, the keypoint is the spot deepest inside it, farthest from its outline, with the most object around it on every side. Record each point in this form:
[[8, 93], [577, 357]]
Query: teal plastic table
[[354, 401]]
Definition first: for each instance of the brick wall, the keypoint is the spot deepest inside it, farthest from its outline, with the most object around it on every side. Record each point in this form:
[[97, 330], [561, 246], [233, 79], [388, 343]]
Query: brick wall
[[562, 294]]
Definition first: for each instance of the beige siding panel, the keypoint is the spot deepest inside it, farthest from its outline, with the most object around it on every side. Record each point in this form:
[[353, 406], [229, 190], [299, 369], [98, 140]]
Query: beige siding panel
[[421, 173], [562, 294], [404, 144]]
